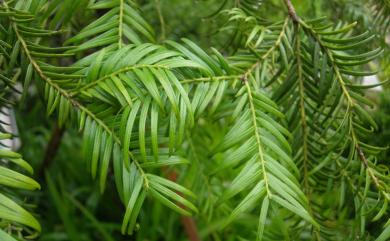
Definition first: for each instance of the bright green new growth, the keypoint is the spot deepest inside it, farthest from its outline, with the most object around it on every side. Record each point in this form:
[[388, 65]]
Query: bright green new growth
[[271, 128]]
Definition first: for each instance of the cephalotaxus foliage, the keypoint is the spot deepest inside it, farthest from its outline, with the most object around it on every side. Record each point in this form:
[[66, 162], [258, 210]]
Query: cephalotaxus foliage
[[262, 139]]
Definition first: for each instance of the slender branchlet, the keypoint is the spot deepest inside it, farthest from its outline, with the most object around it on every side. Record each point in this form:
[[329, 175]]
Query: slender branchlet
[[291, 10]]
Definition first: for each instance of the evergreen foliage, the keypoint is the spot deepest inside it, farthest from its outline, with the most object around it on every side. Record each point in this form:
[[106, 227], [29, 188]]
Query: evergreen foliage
[[262, 133]]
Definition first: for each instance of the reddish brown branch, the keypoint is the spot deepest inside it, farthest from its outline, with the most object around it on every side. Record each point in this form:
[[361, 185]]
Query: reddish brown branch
[[291, 10], [51, 149], [188, 222]]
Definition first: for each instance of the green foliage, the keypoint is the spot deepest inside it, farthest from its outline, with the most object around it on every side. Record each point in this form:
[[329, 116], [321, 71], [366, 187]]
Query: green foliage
[[262, 133]]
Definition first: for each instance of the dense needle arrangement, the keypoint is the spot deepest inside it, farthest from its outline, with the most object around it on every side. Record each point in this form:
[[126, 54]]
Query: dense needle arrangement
[[264, 137]]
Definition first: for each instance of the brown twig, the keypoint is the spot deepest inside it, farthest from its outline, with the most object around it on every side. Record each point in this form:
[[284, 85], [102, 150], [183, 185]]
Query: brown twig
[[51, 149], [291, 10], [188, 222]]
